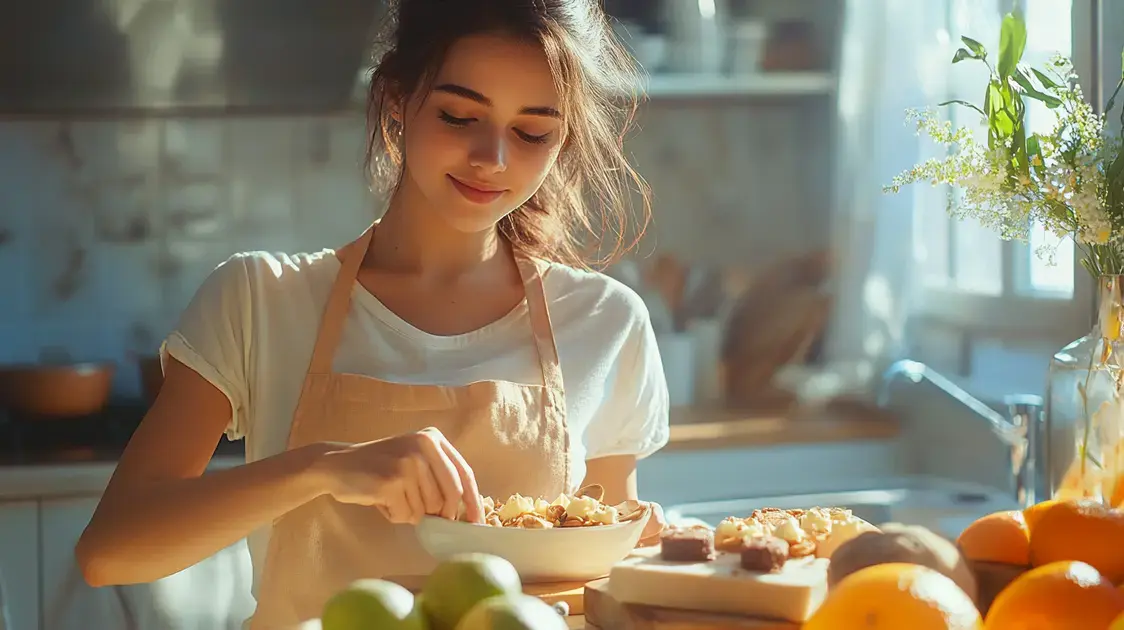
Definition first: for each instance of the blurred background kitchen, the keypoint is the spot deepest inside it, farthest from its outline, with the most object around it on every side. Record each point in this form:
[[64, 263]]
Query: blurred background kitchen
[[143, 142]]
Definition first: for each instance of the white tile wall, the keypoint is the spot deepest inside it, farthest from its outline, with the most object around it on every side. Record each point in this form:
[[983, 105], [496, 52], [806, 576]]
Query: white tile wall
[[108, 227]]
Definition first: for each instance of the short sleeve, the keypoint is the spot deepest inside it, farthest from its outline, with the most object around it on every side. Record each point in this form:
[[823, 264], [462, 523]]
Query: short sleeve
[[633, 417], [212, 337]]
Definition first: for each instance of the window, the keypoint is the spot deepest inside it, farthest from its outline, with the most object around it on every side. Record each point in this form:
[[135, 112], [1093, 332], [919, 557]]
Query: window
[[971, 278]]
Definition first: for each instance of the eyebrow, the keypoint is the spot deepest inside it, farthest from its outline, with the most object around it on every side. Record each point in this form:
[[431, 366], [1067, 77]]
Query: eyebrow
[[473, 95]]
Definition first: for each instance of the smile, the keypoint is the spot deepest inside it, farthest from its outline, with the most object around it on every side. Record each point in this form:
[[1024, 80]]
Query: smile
[[476, 193]]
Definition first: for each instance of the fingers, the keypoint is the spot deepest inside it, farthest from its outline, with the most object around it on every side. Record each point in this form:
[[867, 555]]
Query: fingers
[[445, 472], [432, 500], [411, 488], [397, 507], [470, 493]]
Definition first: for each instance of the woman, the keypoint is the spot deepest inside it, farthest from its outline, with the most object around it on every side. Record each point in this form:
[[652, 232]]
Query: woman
[[475, 354]]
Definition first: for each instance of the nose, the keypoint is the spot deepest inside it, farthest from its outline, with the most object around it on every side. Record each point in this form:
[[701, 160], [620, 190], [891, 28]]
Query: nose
[[488, 152]]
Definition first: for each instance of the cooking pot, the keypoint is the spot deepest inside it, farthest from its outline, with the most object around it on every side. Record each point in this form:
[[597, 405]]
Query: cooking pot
[[56, 390]]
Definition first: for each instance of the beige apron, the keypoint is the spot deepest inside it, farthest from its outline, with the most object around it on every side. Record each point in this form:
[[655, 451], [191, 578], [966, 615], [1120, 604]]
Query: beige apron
[[513, 436]]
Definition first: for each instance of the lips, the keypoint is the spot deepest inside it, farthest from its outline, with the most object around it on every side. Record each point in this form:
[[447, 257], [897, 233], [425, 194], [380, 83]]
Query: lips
[[476, 192]]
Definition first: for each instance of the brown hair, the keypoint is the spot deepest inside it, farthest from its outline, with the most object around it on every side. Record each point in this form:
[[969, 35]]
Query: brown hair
[[598, 81]]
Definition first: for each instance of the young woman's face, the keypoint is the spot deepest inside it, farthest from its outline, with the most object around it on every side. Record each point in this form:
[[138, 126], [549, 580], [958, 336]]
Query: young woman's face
[[481, 142]]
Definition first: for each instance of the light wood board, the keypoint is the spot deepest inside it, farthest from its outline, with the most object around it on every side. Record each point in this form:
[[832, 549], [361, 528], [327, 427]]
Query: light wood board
[[604, 612]]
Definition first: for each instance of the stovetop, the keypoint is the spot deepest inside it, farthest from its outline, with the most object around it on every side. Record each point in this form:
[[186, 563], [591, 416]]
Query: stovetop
[[101, 436]]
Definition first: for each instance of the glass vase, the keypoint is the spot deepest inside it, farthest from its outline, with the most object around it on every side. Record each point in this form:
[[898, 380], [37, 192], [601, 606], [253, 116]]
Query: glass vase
[[1083, 451]]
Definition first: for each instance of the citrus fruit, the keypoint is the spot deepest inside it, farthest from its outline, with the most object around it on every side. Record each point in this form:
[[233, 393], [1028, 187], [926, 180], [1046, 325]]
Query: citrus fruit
[[895, 596], [1057, 595], [999, 537], [1085, 531], [1033, 513], [368, 604], [512, 612], [461, 582]]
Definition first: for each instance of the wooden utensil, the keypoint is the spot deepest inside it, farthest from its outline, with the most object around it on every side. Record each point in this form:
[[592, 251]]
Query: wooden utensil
[[594, 491], [604, 612]]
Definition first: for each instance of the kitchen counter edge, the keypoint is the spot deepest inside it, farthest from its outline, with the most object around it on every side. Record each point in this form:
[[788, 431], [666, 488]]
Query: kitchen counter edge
[[691, 430]]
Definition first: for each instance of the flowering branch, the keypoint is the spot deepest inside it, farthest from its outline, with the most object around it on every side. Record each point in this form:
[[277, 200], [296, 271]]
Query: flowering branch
[[1070, 180]]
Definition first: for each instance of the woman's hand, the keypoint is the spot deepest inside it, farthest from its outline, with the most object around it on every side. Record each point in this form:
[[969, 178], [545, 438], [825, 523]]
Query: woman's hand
[[657, 522], [407, 477]]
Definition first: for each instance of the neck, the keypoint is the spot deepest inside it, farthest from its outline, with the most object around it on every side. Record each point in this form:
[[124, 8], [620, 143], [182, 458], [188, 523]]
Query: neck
[[411, 239]]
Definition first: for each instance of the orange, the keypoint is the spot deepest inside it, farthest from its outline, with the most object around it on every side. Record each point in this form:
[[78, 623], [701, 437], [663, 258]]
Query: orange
[[1118, 624], [1117, 499], [894, 596], [1045, 597], [1033, 513], [999, 537], [1085, 531]]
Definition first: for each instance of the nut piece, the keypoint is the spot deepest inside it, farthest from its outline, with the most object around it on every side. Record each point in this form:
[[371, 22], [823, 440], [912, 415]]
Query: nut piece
[[555, 514], [529, 521]]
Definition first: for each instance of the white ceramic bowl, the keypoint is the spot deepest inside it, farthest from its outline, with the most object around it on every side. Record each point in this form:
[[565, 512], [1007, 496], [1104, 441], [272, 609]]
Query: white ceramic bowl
[[539, 555]]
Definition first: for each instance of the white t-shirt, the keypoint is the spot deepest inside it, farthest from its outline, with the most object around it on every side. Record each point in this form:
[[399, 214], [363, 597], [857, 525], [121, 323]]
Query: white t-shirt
[[251, 327]]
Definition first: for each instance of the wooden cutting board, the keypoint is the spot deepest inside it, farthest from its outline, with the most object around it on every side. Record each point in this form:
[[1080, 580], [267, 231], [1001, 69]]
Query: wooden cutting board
[[604, 612], [570, 593]]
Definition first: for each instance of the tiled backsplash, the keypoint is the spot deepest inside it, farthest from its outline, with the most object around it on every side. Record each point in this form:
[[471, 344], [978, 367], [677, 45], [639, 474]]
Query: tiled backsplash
[[108, 227]]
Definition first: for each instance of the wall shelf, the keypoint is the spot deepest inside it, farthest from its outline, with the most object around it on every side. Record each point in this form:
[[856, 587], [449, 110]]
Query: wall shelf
[[765, 84]]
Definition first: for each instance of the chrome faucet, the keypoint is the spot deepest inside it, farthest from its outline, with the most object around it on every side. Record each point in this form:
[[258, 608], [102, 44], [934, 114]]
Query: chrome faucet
[[1021, 431]]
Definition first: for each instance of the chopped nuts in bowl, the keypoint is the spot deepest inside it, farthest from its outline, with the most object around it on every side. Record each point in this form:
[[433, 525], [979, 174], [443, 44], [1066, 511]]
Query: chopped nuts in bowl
[[569, 538]]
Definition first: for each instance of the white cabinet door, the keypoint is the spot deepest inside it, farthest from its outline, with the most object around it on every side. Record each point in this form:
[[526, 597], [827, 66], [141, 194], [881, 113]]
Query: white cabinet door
[[211, 595], [19, 563], [68, 602]]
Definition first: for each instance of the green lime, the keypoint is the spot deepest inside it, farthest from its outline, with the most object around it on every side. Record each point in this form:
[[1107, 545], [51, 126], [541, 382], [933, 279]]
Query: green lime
[[372, 605], [513, 612], [461, 582]]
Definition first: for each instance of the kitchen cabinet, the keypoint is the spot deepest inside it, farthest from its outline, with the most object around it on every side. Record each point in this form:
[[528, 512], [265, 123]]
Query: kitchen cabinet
[[68, 602], [19, 562], [211, 595]]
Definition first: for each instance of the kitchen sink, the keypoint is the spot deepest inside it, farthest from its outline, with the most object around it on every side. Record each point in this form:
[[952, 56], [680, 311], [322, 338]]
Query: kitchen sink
[[945, 508]]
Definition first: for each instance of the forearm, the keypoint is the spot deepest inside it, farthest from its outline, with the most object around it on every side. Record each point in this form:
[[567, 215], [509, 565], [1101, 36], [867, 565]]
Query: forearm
[[163, 527]]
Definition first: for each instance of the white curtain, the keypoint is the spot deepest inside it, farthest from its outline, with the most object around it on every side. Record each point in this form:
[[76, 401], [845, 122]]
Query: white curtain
[[895, 55]]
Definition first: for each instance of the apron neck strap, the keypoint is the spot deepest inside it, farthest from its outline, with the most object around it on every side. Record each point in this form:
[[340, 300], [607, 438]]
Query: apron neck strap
[[339, 302], [539, 314]]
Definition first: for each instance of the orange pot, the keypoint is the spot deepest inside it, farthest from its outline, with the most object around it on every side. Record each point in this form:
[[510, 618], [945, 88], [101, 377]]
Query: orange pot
[[56, 390]]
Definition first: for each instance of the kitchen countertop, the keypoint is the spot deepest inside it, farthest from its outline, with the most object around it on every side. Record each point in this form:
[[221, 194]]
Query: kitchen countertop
[[700, 429], [71, 478], [85, 472]]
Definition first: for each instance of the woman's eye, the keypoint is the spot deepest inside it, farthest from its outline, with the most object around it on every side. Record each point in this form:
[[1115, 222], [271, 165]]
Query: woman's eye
[[526, 137], [453, 121]]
